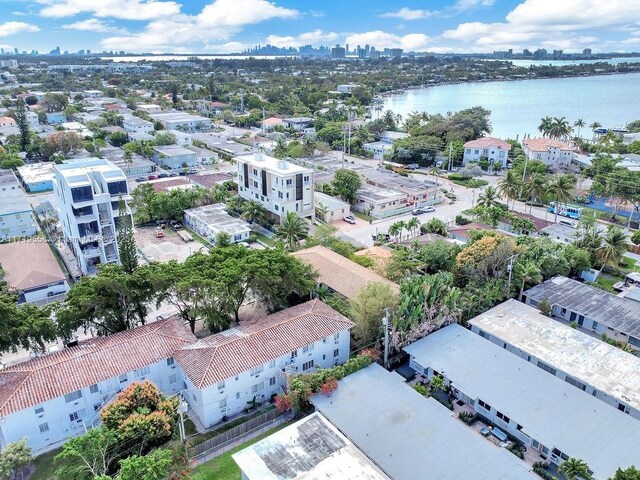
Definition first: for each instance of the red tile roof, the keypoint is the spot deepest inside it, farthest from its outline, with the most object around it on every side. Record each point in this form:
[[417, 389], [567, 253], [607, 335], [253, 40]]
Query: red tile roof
[[544, 144], [229, 353], [42, 379], [486, 142]]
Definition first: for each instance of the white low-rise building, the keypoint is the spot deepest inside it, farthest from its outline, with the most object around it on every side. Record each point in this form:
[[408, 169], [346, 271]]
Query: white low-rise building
[[379, 149], [182, 121], [554, 153], [37, 177], [330, 209], [133, 124], [250, 363], [173, 157], [149, 107], [278, 185], [210, 220], [496, 151], [57, 396], [16, 216]]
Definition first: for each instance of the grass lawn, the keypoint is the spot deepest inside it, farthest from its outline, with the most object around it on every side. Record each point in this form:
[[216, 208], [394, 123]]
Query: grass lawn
[[362, 216], [223, 467], [46, 467], [606, 282], [263, 238], [201, 437]]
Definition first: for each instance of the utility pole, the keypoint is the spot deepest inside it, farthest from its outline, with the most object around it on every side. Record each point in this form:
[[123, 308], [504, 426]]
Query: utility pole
[[241, 101], [524, 173], [181, 401], [385, 324], [450, 155], [263, 119]]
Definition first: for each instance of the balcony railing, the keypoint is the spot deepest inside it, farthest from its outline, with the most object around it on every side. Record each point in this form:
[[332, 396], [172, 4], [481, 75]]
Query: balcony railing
[[91, 252], [104, 220]]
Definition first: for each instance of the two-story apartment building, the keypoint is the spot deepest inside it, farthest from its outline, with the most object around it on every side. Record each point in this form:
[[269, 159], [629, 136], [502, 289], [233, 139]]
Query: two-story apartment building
[[134, 124], [554, 153], [278, 185], [88, 192], [587, 363], [553, 419], [496, 151], [589, 308], [16, 216], [57, 396], [186, 122], [227, 371], [173, 157]]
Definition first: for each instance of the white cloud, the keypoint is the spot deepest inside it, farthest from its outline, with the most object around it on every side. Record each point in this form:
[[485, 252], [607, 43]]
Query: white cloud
[[19, 14], [217, 22], [567, 24], [464, 5], [11, 28], [316, 13], [93, 25], [124, 9], [380, 39], [410, 14], [315, 37]]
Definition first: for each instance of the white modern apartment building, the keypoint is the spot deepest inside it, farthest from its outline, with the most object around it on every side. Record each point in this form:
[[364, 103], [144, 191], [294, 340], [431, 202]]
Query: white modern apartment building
[[16, 216], [496, 151], [279, 186], [589, 364], [552, 152], [57, 396], [250, 363], [88, 193]]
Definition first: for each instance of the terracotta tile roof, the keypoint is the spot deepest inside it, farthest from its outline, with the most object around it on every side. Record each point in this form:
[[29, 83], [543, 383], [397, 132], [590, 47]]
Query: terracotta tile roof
[[29, 265], [42, 379], [164, 185], [540, 223], [486, 142], [271, 121], [339, 273], [544, 144], [229, 353]]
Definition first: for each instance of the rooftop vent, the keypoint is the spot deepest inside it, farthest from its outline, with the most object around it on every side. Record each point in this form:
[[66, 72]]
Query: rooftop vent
[[283, 165], [259, 156]]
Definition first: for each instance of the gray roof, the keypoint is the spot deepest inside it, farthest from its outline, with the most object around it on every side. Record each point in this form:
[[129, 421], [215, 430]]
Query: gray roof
[[310, 449], [595, 304], [13, 198], [556, 414], [590, 360], [405, 433]]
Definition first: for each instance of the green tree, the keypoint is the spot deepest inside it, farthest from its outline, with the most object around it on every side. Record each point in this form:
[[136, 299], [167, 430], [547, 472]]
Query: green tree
[[575, 469], [23, 124], [292, 230], [535, 188], [126, 242], [631, 473], [143, 200], [529, 274], [509, 186], [167, 138], [89, 456], [435, 225], [154, 466], [10, 161], [254, 212], [222, 239], [367, 310], [14, 458], [346, 184], [560, 188], [27, 326], [580, 124], [488, 198], [614, 246]]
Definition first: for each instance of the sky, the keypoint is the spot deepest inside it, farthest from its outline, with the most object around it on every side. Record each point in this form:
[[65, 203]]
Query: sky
[[225, 26]]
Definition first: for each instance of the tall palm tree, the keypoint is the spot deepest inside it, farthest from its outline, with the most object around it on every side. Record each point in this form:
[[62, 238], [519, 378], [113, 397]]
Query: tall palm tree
[[292, 230], [529, 274], [488, 198], [395, 229], [545, 126], [253, 212], [575, 469], [580, 123], [535, 188], [560, 128], [614, 245], [593, 126], [389, 118], [413, 225], [509, 187], [560, 189]]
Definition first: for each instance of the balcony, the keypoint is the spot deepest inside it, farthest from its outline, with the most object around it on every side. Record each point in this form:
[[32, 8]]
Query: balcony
[[91, 252], [105, 220]]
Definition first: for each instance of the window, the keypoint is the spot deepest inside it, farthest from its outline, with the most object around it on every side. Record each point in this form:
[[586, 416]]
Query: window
[[195, 399], [258, 387], [223, 403], [336, 337], [173, 378], [39, 410], [294, 354], [272, 381], [575, 383], [237, 395], [546, 368], [324, 357], [221, 385], [74, 416], [123, 378], [256, 370], [336, 352], [272, 363], [307, 365], [94, 388], [170, 361], [96, 407], [70, 397], [141, 372], [44, 427], [307, 348], [483, 334], [116, 188], [502, 417], [484, 405]]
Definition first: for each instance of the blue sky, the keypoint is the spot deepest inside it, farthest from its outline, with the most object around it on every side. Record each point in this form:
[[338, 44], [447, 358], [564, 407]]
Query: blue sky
[[219, 26]]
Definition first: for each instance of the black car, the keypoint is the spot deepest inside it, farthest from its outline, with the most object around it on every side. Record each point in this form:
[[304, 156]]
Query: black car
[[173, 174], [141, 179], [163, 175], [174, 225]]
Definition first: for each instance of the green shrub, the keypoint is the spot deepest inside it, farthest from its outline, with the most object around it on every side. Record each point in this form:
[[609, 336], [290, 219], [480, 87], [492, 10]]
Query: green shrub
[[467, 417], [635, 238], [421, 389], [462, 220]]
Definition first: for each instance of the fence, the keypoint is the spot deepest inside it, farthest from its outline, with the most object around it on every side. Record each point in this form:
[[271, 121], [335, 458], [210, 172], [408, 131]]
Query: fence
[[234, 433]]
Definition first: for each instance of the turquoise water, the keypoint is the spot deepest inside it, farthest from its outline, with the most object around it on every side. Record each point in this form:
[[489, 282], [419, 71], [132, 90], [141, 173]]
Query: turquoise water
[[517, 106]]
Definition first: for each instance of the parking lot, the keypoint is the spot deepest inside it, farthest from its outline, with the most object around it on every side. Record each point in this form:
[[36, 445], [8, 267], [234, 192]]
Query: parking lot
[[171, 247]]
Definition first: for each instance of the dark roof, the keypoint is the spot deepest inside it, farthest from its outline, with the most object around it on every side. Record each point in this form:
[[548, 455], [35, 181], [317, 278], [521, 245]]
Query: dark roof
[[596, 304], [208, 180]]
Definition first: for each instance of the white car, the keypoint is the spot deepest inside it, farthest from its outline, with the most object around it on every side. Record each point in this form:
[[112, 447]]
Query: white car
[[350, 219]]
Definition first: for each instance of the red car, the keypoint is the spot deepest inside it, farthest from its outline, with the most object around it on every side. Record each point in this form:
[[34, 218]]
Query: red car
[[152, 177]]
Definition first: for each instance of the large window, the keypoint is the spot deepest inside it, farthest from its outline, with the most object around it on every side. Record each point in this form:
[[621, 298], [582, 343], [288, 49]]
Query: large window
[[82, 194], [575, 383], [307, 365], [71, 397], [546, 368], [484, 405], [116, 188]]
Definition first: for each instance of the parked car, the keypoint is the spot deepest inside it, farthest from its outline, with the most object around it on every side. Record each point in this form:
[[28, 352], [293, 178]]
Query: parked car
[[174, 225], [152, 177], [173, 174], [141, 179], [429, 209], [412, 166], [160, 224], [192, 171], [417, 211], [163, 175], [350, 219], [182, 172]]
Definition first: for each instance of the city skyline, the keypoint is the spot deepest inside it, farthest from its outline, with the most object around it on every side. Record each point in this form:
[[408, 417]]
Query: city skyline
[[229, 26]]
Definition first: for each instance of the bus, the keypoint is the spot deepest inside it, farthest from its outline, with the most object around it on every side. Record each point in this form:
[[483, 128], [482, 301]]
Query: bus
[[571, 211]]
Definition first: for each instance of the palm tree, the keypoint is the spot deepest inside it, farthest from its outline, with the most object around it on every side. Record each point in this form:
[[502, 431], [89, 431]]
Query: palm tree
[[535, 188], [321, 210], [434, 171], [614, 245], [292, 230], [488, 198], [395, 230], [580, 123], [128, 159], [509, 186], [545, 126], [389, 118], [560, 189], [529, 274], [253, 212], [593, 126], [574, 469], [280, 150], [413, 225], [560, 128]]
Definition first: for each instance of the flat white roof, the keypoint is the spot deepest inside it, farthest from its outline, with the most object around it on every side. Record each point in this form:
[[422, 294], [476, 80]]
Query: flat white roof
[[81, 167], [281, 167], [603, 366], [310, 449], [215, 216], [178, 117], [36, 172], [551, 411]]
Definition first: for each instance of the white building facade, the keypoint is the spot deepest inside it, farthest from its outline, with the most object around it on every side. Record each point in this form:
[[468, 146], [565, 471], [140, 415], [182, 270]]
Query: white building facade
[[552, 152], [279, 186], [496, 151], [137, 125], [88, 193], [16, 216]]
